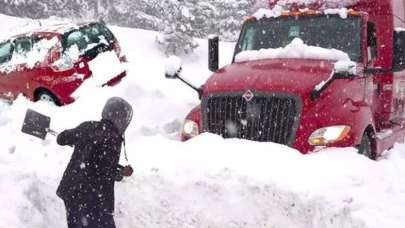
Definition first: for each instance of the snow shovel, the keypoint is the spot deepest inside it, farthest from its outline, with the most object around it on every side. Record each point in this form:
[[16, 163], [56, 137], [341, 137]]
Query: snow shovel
[[37, 125]]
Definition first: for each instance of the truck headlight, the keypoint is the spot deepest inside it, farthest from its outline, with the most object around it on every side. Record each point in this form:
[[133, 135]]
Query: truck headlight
[[190, 128], [329, 135]]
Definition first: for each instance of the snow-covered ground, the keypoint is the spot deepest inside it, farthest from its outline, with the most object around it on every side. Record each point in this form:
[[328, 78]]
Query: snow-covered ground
[[206, 182]]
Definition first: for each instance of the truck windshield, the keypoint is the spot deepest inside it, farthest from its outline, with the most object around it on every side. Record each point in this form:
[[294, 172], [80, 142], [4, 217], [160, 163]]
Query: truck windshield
[[321, 31]]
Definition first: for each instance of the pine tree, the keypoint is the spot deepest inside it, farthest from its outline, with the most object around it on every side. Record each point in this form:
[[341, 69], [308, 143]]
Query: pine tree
[[231, 17], [178, 20], [261, 4], [176, 37], [203, 13], [143, 14]]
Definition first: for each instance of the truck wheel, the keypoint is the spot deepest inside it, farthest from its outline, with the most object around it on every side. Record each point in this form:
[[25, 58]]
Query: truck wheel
[[44, 95], [366, 147]]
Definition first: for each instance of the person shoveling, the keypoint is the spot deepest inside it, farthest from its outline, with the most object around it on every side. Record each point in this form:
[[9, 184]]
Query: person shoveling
[[87, 185]]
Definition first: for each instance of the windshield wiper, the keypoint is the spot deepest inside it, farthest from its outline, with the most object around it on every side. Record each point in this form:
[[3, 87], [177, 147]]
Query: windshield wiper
[[316, 92]]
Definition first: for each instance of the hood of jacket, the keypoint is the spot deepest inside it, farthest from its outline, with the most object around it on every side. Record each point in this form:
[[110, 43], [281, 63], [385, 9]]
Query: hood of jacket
[[119, 112]]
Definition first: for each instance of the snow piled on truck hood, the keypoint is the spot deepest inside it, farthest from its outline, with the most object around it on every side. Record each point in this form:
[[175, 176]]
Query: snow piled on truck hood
[[295, 50], [205, 182]]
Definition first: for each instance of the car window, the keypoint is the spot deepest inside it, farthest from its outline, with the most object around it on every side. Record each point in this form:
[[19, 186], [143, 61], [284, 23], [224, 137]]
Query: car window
[[87, 35], [103, 31], [92, 33], [23, 45], [75, 38], [6, 50]]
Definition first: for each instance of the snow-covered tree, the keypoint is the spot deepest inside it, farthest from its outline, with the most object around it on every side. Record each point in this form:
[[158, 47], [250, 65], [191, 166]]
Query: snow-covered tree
[[261, 4], [204, 13], [176, 37], [231, 16], [24, 8], [178, 20], [143, 14]]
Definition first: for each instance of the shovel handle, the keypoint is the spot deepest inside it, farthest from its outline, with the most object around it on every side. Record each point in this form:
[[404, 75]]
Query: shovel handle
[[52, 132]]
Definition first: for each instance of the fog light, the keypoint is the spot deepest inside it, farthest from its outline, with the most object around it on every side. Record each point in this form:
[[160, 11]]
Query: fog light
[[328, 135], [190, 128]]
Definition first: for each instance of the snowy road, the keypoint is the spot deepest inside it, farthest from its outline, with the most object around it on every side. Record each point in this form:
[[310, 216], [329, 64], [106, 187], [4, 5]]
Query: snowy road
[[206, 182]]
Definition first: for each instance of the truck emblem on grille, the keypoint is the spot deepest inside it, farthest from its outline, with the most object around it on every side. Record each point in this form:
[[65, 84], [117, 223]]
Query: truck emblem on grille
[[248, 96]]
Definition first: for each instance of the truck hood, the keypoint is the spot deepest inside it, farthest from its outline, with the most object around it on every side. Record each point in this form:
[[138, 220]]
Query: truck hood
[[296, 76]]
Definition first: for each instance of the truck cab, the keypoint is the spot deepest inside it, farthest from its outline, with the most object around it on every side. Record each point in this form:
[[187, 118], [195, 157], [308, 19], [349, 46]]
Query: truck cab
[[325, 74]]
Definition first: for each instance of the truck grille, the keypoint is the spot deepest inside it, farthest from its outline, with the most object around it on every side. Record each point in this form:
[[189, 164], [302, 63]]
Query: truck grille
[[265, 118]]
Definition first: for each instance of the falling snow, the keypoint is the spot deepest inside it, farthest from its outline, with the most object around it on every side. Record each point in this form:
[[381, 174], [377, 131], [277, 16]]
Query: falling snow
[[208, 181]]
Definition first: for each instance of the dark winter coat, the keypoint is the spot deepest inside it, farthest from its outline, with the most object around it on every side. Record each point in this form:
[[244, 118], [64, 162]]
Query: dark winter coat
[[93, 168]]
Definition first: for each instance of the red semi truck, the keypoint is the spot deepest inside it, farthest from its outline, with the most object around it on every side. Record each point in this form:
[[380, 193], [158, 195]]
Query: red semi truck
[[306, 102]]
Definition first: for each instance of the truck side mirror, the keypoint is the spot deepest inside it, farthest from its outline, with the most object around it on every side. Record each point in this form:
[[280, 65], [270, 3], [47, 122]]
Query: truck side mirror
[[173, 67], [173, 71], [341, 70], [213, 53], [344, 70]]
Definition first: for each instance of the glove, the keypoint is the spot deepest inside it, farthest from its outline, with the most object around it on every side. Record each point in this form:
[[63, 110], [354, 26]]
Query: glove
[[127, 171]]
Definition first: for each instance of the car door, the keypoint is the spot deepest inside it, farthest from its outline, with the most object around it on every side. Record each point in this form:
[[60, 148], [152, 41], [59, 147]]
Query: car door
[[26, 67], [6, 54]]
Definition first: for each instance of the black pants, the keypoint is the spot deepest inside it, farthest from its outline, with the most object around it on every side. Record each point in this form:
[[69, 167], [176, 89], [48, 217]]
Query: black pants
[[87, 215]]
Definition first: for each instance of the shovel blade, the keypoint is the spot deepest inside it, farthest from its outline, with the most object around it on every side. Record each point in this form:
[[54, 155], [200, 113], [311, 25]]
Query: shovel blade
[[36, 124]]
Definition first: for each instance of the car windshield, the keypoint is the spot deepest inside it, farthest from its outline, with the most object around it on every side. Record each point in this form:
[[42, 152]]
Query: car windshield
[[83, 37], [321, 31]]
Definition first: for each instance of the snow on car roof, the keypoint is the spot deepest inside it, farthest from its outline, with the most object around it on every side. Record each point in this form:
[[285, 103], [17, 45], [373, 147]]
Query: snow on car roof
[[44, 27]]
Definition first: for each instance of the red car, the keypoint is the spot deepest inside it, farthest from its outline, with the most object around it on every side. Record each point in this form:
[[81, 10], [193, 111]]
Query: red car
[[51, 63]]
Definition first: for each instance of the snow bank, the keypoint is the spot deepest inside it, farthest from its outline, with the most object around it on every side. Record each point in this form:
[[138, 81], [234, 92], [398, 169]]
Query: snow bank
[[224, 183], [206, 182], [104, 67], [296, 49], [103, 73]]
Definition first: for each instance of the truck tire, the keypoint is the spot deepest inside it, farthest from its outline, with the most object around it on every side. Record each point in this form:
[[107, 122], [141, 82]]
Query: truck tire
[[367, 147], [44, 95]]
